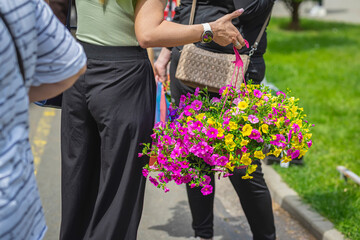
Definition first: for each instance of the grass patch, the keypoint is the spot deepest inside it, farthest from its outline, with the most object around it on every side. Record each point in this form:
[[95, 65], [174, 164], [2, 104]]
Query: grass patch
[[321, 66]]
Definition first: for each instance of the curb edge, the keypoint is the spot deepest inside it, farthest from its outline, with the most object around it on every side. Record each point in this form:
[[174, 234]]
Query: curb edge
[[289, 200]]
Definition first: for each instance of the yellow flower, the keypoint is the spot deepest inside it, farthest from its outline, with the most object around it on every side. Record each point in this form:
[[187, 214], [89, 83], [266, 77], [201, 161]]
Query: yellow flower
[[220, 132], [245, 159], [259, 155], [245, 118], [246, 130], [211, 121], [302, 153], [200, 116], [265, 128], [242, 105], [288, 115], [244, 142], [230, 142], [280, 120], [225, 91], [232, 146], [286, 159], [252, 168], [230, 166], [308, 135], [229, 137], [294, 108], [299, 122], [277, 152], [247, 177], [188, 119], [233, 125]]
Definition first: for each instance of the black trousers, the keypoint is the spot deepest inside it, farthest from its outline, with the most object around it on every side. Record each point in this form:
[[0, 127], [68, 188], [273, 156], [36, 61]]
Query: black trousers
[[253, 193], [105, 116]]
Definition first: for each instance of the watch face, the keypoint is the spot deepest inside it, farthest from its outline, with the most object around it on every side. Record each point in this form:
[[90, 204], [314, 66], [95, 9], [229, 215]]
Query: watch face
[[207, 37]]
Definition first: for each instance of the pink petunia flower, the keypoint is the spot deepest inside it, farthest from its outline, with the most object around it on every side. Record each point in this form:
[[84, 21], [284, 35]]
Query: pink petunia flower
[[253, 119], [182, 99], [280, 92], [196, 93], [206, 190], [196, 126], [145, 172], [207, 179], [177, 178], [196, 105], [257, 93], [186, 178], [167, 139], [212, 133], [295, 154], [186, 111], [222, 161], [255, 134], [153, 181]]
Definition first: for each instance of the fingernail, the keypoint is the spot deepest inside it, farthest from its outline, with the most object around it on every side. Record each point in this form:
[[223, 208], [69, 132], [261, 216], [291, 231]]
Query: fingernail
[[241, 10]]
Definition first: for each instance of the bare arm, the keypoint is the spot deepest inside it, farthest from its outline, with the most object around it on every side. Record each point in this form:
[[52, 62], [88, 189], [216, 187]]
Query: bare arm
[[153, 31], [161, 64], [46, 91]]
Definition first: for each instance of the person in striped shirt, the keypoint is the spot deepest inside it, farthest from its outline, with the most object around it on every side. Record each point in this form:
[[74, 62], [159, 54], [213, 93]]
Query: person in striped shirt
[[38, 59]]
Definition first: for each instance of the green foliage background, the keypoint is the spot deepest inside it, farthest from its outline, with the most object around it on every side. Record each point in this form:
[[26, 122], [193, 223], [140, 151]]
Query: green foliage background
[[321, 66]]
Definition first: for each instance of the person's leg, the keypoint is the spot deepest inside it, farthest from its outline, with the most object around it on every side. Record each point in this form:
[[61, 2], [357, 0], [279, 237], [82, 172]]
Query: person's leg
[[256, 202], [122, 100], [201, 206], [80, 150], [202, 211]]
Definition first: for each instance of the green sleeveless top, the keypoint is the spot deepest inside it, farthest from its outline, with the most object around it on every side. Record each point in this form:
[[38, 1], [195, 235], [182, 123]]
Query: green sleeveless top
[[111, 24]]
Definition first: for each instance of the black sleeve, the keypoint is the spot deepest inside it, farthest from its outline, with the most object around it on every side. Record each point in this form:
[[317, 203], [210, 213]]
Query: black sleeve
[[176, 18], [253, 8]]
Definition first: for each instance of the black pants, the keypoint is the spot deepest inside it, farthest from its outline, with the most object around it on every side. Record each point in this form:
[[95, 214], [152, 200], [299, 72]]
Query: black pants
[[105, 116], [253, 194]]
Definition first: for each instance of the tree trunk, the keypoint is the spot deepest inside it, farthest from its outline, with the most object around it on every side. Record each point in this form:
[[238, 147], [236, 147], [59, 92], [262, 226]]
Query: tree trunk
[[295, 18]]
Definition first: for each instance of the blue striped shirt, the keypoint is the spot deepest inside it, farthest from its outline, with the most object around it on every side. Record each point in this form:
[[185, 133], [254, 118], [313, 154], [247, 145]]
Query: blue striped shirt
[[49, 54]]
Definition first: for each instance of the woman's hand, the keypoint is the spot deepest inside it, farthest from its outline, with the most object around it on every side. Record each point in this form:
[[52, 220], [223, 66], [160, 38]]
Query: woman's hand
[[160, 66], [225, 32]]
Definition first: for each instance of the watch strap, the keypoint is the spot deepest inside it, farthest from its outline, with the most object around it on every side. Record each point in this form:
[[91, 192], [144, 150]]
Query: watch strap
[[206, 27]]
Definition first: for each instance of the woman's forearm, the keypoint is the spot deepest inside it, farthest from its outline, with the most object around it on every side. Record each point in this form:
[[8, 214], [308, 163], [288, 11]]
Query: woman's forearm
[[153, 31], [168, 34]]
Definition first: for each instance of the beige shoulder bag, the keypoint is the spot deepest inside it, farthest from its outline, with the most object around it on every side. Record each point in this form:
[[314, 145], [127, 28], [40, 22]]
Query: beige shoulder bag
[[201, 68]]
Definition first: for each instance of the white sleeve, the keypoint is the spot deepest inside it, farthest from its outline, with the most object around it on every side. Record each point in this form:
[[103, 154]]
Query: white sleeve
[[59, 56]]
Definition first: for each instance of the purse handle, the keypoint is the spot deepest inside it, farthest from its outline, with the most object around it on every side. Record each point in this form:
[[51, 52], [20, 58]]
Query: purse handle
[[257, 41], [192, 13]]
